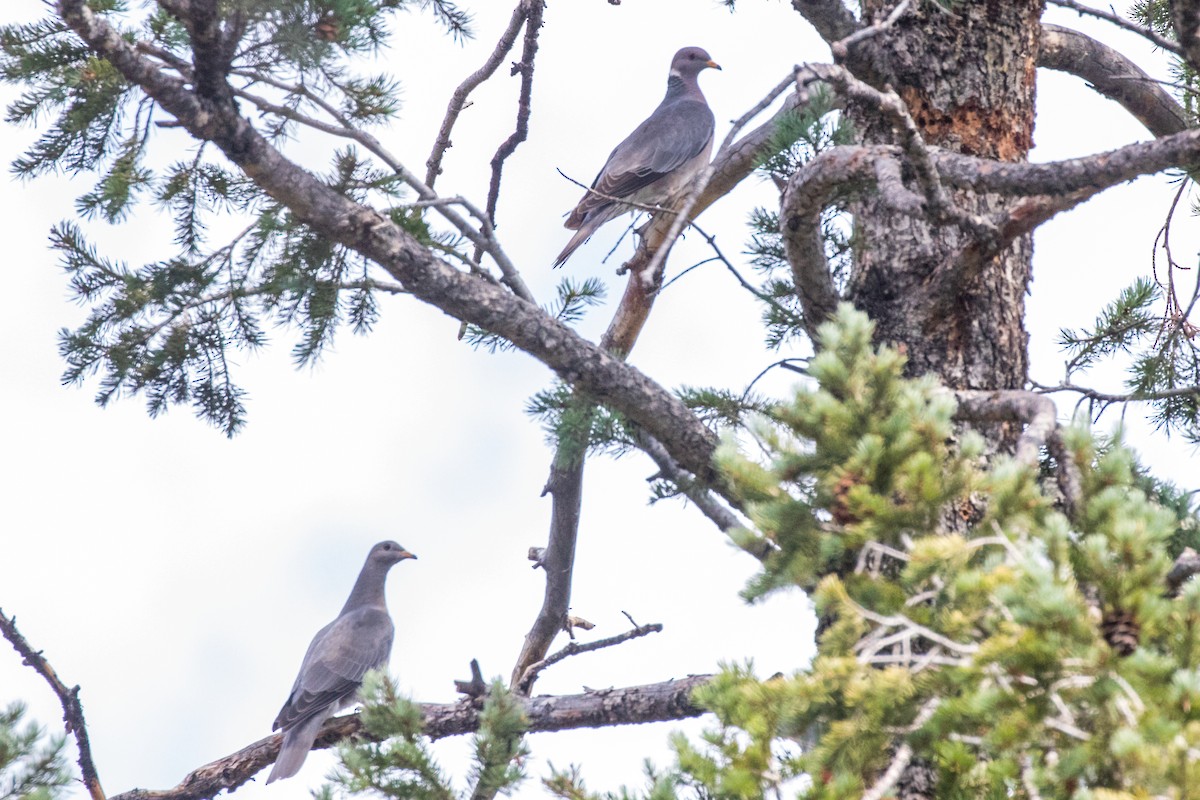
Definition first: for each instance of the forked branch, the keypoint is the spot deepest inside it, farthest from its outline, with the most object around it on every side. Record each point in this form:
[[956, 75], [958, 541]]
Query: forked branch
[[67, 697]]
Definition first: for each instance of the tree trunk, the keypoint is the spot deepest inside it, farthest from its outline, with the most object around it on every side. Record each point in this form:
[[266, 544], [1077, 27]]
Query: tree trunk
[[966, 71]]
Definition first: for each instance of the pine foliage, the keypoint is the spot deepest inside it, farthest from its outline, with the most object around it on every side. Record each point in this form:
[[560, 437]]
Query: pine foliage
[[969, 623], [31, 766], [173, 329], [400, 764], [799, 137]]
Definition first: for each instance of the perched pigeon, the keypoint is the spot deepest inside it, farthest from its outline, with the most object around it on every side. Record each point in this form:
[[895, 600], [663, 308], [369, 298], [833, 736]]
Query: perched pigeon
[[657, 160], [341, 653]]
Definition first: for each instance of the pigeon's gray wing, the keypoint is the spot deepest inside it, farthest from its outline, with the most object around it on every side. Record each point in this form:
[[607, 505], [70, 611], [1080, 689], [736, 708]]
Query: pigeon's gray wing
[[333, 669], [673, 135]]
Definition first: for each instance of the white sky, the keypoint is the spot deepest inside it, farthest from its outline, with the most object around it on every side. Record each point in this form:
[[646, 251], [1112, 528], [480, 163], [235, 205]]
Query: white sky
[[177, 576]]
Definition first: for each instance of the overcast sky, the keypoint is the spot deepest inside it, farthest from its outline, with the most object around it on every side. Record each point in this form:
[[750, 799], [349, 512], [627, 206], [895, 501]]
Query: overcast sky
[[178, 576]]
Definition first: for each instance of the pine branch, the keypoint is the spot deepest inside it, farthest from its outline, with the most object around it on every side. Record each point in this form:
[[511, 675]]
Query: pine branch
[[631, 705], [1144, 31]]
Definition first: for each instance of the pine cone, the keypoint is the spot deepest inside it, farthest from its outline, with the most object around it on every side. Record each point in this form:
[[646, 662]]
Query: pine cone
[[841, 494], [1121, 630], [328, 28]]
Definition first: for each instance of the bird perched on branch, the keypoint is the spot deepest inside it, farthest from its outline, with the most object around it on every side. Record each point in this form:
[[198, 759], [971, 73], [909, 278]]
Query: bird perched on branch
[[658, 160], [341, 653]]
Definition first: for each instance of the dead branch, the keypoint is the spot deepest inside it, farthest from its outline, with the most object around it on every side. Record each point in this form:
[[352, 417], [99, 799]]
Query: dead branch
[[483, 237], [703, 498], [72, 708], [903, 755], [533, 27], [656, 702], [1039, 415], [1112, 397], [575, 648], [919, 154], [1116, 19], [1035, 411], [841, 48], [810, 190], [959, 271], [458, 99], [1113, 75], [832, 19], [1185, 566], [565, 487], [732, 165]]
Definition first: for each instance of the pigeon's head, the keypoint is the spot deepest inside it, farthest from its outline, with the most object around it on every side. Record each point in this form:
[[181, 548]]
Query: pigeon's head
[[690, 61], [388, 553]]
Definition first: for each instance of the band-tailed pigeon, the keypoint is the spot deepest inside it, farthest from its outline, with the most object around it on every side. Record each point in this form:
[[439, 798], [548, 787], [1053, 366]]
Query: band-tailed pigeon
[[657, 160], [341, 653]]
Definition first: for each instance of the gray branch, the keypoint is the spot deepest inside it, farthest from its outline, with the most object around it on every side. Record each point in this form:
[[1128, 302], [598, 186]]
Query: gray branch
[[1113, 75], [656, 702], [462, 296]]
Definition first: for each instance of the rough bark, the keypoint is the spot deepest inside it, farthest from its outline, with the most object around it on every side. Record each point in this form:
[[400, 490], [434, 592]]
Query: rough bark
[[656, 702], [966, 72]]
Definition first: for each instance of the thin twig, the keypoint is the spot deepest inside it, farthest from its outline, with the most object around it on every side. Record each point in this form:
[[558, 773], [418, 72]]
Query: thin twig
[[458, 99], [533, 27], [574, 648], [903, 756], [483, 238], [841, 48], [69, 698], [1116, 19]]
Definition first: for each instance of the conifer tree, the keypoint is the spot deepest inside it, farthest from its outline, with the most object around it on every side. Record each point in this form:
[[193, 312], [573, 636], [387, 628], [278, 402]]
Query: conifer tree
[[1005, 602]]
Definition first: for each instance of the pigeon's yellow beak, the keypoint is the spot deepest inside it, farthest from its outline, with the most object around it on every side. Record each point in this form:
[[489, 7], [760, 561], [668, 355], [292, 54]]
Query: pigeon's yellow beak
[[712, 64], [405, 554]]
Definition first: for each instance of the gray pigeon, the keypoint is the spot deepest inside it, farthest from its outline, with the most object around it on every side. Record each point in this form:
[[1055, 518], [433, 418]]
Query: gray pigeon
[[341, 653], [657, 160]]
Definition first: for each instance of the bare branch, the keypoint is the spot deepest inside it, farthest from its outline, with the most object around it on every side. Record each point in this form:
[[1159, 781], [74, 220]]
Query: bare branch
[[1035, 411], [69, 699], [533, 27], [832, 19], [1121, 22], [484, 238], [1113, 75], [1039, 416], [656, 702], [1109, 397], [809, 191], [903, 756], [708, 503], [841, 48], [1185, 566], [920, 156], [565, 486], [458, 99], [575, 648]]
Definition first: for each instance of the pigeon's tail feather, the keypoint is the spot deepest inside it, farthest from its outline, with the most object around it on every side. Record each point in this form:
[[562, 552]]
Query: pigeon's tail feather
[[591, 223], [296, 744]]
